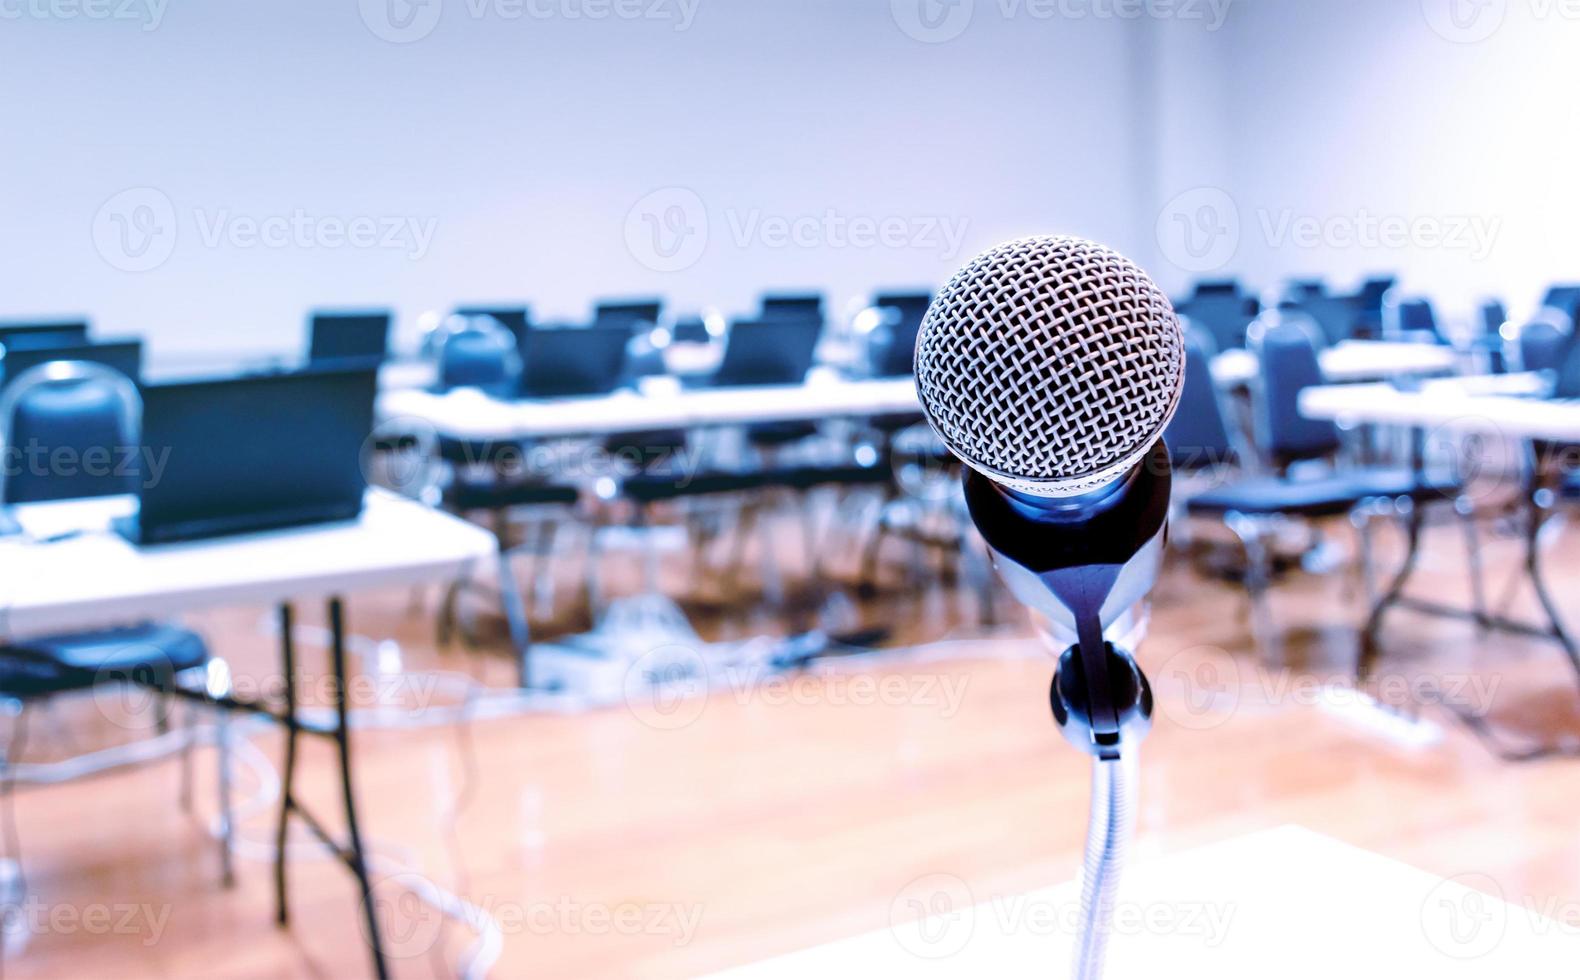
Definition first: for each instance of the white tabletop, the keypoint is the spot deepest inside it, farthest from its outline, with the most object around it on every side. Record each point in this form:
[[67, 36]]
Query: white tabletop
[[470, 414], [1486, 405], [1284, 903], [1350, 360], [99, 579]]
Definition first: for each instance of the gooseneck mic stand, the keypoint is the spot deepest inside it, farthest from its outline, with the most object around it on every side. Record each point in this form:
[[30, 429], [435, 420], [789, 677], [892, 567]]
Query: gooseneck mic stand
[[1083, 563]]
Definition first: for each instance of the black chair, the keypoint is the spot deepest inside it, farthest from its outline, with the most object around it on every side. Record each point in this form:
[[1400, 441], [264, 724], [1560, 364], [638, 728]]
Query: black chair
[[1411, 318], [802, 305], [1544, 342], [1222, 310], [1254, 506], [1565, 298], [1489, 341], [493, 480], [1368, 305], [517, 320], [88, 411]]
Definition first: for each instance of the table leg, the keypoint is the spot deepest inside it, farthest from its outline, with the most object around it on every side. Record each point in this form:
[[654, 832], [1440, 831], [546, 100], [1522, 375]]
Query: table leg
[[1533, 568], [515, 607], [288, 777], [1369, 635], [356, 857]]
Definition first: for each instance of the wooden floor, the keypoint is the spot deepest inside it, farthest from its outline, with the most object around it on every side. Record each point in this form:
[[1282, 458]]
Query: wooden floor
[[605, 845]]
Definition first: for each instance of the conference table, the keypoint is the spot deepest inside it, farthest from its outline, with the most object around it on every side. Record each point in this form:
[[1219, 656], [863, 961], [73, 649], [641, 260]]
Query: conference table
[[1506, 407], [662, 403], [70, 572]]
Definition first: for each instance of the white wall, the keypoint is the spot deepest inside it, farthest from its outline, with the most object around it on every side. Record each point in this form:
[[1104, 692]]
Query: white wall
[[1390, 108], [527, 143]]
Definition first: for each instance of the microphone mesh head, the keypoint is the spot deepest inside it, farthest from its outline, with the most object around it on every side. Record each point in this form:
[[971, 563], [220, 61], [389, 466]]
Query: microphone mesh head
[[1051, 365]]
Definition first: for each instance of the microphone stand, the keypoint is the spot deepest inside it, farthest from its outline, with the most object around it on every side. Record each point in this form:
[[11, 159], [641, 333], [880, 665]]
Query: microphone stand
[[1090, 560]]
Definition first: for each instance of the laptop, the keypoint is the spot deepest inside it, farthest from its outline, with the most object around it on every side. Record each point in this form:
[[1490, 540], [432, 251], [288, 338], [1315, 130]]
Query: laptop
[[630, 313], [793, 304], [349, 336], [125, 356], [247, 454], [566, 362], [54, 333], [768, 352]]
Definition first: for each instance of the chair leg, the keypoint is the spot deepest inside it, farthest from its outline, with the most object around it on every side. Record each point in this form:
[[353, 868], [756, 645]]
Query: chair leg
[[1361, 519], [1258, 579], [543, 570], [188, 730], [1478, 587], [227, 822]]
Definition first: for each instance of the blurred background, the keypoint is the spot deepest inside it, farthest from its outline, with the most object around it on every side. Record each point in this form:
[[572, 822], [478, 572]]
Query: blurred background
[[511, 403]]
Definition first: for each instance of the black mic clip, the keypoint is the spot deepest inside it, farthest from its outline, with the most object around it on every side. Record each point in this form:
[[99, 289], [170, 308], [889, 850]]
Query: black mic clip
[[1085, 557]]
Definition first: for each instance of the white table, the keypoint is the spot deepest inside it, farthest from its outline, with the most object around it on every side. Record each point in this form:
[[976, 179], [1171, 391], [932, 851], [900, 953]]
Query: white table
[[1347, 361], [91, 578], [100, 579], [1489, 406], [1285, 903], [470, 414]]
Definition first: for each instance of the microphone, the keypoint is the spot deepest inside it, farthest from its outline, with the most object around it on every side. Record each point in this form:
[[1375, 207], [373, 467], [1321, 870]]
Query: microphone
[[1051, 366]]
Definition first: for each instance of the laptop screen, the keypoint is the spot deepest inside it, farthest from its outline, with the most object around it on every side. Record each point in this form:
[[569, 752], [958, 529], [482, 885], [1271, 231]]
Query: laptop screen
[[125, 356], [254, 452], [337, 336], [568, 362]]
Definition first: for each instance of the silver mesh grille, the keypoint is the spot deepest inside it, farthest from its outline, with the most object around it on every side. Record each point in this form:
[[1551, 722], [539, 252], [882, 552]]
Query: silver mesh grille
[[1050, 364]]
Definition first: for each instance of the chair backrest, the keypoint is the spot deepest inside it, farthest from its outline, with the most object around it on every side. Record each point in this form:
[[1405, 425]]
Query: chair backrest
[[70, 430], [1197, 437], [477, 352], [1563, 297], [893, 353], [1407, 317], [517, 320], [1491, 316], [1543, 343], [1224, 314], [1289, 364]]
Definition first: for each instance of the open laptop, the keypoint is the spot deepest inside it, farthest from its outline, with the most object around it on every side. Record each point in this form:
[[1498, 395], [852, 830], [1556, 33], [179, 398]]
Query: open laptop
[[631, 313], [54, 333], [125, 356], [254, 453], [566, 362], [768, 352], [342, 336], [516, 319]]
